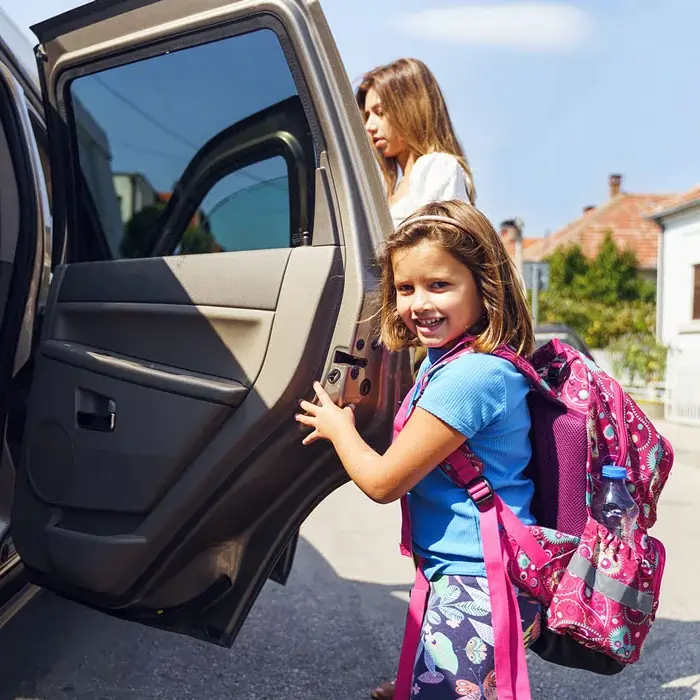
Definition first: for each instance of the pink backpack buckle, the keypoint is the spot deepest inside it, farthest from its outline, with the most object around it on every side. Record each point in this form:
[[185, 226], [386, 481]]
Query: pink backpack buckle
[[481, 492]]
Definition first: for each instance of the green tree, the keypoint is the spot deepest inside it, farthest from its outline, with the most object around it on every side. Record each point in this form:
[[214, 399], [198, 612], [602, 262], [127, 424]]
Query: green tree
[[641, 356], [567, 267], [142, 230], [197, 240], [614, 276], [611, 276], [603, 298]]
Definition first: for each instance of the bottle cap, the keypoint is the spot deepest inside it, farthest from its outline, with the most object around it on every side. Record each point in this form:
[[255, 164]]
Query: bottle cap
[[612, 471]]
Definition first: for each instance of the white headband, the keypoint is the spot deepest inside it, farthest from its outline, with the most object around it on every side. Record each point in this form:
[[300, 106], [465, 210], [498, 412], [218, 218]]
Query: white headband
[[429, 217]]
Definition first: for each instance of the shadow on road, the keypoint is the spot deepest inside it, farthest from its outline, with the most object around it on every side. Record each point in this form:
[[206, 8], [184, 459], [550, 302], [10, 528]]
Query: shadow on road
[[321, 637]]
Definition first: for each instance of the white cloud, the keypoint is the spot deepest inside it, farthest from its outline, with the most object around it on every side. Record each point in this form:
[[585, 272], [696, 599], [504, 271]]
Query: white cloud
[[529, 26]]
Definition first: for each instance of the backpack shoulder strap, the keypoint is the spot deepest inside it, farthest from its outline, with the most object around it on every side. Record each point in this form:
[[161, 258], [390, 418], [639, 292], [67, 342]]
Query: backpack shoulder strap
[[526, 368]]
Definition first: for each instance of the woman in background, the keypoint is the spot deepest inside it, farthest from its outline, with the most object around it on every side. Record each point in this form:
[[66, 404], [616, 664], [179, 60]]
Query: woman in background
[[418, 152]]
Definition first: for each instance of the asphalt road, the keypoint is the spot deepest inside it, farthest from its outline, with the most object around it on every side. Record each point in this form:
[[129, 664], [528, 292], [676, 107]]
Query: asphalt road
[[334, 630]]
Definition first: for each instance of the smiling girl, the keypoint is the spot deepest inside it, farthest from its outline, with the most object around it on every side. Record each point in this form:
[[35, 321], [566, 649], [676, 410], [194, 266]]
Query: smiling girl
[[446, 280]]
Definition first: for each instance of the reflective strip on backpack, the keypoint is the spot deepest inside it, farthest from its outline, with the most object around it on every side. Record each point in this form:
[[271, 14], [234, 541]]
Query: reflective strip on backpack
[[609, 587]]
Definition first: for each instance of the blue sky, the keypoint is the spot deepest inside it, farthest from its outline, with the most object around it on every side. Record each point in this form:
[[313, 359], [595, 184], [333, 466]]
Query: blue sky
[[548, 98]]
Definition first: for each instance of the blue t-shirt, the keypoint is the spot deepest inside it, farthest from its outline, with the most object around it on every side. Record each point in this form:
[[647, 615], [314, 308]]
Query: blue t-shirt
[[484, 398]]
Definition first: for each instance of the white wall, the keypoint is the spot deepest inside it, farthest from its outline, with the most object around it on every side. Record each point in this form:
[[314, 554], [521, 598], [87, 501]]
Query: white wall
[[95, 161], [122, 188], [145, 195], [681, 251]]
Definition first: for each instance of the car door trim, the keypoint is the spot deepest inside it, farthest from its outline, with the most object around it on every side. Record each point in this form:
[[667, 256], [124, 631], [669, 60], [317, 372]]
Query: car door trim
[[149, 374]]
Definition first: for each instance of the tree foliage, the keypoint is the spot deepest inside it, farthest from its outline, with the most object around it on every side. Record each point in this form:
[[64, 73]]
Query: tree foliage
[[142, 230], [611, 277], [603, 298], [641, 356]]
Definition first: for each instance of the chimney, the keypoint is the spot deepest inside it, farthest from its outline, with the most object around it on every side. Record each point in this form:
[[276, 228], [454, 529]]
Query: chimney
[[512, 235], [614, 182]]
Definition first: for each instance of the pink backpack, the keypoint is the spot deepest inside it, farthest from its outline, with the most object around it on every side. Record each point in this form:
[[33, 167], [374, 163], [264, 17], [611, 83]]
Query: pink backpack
[[599, 595]]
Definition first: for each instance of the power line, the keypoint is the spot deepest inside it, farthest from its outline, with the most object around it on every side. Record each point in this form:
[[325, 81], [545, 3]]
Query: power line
[[145, 149], [174, 134], [275, 184], [148, 117]]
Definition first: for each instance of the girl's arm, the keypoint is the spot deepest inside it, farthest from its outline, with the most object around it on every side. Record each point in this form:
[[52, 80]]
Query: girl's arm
[[421, 446]]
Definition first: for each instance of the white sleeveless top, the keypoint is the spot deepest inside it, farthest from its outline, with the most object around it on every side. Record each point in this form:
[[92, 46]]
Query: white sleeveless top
[[435, 177]]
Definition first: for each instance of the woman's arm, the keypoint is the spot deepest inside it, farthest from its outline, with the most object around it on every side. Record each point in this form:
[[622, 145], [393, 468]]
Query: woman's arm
[[423, 444]]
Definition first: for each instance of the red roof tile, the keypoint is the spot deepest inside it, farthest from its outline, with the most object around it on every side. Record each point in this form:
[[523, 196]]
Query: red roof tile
[[692, 196], [527, 243], [626, 215]]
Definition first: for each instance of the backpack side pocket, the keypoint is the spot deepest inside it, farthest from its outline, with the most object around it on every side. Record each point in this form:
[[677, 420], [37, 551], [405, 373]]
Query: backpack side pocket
[[608, 596]]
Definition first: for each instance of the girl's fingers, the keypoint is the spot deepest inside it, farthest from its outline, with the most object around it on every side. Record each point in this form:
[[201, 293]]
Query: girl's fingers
[[305, 420], [309, 407], [323, 396], [312, 437]]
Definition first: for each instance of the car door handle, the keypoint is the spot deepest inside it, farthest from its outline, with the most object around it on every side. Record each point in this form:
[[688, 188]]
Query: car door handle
[[102, 415]]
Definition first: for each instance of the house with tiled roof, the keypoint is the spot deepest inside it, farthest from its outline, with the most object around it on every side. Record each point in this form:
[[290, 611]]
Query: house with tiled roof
[[678, 302], [624, 214]]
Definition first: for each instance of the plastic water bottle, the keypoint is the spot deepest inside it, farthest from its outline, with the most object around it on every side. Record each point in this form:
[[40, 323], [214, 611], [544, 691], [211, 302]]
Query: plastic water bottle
[[613, 506]]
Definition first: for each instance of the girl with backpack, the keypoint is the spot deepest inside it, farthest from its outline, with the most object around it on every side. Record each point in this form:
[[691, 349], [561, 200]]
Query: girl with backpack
[[419, 155], [446, 274]]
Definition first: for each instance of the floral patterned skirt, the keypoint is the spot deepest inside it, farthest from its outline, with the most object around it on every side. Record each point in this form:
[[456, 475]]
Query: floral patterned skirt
[[455, 657]]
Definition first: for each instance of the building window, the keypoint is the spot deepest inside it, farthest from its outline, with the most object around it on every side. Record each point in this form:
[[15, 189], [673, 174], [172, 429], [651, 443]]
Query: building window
[[696, 293]]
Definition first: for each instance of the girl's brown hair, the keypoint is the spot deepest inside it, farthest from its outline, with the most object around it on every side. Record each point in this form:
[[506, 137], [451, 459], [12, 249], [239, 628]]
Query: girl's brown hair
[[473, 241], [414, 104]]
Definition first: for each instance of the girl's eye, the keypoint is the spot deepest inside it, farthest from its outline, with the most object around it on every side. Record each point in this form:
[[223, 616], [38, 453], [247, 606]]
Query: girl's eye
[[440, 284], [404, 288]]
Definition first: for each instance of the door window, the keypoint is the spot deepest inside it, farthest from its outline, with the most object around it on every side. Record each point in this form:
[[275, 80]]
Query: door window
[[249, 209], [157, 142]]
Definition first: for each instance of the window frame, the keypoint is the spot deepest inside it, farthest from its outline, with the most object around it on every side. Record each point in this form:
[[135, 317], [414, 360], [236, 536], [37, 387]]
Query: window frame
[[78, 219], [695, 304], [277, 130]]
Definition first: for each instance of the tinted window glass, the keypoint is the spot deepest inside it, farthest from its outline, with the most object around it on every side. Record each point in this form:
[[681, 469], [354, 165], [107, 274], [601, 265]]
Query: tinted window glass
[[143, 127], [249, 209]]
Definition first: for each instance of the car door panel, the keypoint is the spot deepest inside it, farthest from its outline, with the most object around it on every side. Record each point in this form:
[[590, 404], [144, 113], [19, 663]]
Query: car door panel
[[169, 333], [156, 433], [129, 309], [163, 476], [147, 374]]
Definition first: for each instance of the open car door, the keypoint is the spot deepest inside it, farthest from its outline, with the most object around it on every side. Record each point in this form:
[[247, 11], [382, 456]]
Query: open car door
[[221, 212], [25, 239]]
